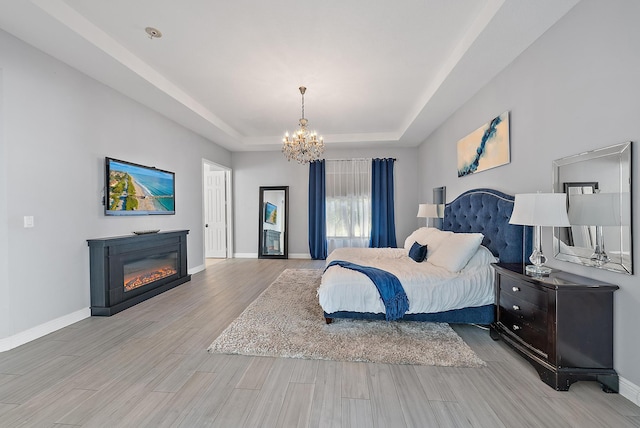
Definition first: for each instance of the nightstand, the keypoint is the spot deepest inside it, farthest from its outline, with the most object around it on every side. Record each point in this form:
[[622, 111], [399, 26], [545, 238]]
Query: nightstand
[[561, 323]]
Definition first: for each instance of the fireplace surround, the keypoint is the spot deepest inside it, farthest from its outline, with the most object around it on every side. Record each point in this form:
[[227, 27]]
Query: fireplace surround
[[127, 270]]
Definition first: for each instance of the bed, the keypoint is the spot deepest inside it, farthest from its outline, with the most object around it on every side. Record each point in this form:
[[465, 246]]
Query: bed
[[453, 285]]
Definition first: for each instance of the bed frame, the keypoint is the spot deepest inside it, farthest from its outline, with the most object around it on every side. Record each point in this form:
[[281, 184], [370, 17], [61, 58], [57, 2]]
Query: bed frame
[[486, 211]]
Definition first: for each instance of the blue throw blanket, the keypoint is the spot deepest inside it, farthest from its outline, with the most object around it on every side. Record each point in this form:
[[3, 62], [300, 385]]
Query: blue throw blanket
[[391, 292]]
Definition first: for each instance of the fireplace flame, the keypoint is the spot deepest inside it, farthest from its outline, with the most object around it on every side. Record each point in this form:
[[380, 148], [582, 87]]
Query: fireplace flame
[[148, 277]]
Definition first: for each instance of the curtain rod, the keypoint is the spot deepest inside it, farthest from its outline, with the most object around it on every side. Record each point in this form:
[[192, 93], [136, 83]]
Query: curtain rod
[[394, 159]]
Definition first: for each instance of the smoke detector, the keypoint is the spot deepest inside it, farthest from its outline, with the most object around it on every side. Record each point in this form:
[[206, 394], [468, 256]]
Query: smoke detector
[[153, 33]]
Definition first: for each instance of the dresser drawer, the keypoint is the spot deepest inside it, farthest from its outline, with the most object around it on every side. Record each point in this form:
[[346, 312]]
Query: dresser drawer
[[524, 311], [529, 335], [523, 291]]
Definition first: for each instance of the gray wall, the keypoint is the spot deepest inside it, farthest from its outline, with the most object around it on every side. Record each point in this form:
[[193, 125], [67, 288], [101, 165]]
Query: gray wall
[[254, 169], [58, 125], [575, 89]]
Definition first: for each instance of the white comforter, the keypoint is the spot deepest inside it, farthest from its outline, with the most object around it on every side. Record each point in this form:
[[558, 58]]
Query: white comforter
[[429, 288]]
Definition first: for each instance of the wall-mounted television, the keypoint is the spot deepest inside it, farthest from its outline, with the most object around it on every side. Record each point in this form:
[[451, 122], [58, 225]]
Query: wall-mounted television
[[133, 189], [270, 213]]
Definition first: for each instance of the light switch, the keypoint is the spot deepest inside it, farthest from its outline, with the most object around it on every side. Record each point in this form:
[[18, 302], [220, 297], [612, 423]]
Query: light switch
[[28, 221]]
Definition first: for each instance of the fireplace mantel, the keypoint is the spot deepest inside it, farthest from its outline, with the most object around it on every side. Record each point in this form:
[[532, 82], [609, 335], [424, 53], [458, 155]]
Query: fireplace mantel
[[126, 270]]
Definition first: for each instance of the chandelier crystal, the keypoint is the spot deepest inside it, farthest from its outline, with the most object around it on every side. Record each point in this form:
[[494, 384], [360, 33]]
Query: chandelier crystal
[[303, 146]]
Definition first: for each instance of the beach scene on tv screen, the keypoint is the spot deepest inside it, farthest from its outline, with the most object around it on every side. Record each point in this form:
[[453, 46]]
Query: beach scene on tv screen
[[135, 188]]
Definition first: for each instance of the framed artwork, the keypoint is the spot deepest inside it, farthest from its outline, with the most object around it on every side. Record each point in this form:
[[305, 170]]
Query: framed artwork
[[270, 213], [485, 148]]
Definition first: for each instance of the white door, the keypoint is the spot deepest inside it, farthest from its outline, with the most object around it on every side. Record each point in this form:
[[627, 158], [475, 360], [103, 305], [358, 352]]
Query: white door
[[215, 215]]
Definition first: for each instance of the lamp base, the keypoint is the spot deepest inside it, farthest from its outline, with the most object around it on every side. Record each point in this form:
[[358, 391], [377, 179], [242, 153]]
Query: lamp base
[[538, 270], [599, 258]]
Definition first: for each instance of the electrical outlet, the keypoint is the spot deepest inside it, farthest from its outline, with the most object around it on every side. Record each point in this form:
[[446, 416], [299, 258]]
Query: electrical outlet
[[28, 221]]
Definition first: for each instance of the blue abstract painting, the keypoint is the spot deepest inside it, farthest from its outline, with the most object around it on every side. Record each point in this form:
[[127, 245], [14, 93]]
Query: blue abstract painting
[[486, 147]]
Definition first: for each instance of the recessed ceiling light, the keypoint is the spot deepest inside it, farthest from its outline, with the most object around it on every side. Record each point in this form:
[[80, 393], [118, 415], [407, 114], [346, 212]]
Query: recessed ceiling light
[[153, 33]]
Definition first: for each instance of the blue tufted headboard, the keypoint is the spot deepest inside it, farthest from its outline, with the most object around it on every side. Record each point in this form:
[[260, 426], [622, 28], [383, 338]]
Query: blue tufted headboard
[[488, 211]]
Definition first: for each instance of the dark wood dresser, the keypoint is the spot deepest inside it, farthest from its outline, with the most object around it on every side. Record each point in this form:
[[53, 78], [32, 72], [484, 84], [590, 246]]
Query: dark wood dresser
[[561, 323]]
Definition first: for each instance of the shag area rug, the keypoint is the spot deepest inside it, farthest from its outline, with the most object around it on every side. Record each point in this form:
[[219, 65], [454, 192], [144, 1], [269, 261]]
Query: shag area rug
[[286, 320]]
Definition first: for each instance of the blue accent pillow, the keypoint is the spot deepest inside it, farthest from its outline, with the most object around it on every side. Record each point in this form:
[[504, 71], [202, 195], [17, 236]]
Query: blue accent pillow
[[418, 252]]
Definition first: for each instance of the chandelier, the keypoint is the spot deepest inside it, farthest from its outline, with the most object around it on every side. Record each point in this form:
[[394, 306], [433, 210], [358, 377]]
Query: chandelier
[[303, 146]]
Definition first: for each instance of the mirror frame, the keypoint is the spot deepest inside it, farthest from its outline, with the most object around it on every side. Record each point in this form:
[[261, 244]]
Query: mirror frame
[[285, 224], [621, 152]]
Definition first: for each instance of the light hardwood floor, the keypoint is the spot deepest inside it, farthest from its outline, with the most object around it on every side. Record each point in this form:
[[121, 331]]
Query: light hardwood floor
[[148, 367]]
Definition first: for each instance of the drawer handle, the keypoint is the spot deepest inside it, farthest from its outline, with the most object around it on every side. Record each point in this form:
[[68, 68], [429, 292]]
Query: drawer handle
[[515, 288], [516, 307], [516, 327]]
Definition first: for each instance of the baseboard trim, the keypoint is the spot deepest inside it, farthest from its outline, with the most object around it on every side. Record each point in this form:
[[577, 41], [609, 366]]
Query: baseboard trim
[[630, 391], [196, 269], [245, 255], [300, 256], [43, 329]]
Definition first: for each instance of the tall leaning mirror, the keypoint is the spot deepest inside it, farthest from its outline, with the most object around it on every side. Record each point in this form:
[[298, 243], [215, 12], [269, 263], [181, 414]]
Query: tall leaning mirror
[[273, 213], [598, 188]]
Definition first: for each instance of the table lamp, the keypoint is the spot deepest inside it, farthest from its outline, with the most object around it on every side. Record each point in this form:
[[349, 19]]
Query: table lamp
[[539, 209], [597, 209], [430, 211]]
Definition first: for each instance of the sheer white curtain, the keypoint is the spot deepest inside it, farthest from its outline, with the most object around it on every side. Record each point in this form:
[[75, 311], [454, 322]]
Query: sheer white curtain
[[348, 198]]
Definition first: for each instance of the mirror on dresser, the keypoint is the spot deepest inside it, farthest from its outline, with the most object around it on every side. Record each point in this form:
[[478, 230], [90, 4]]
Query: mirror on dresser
[[598, 188], [273, 213]]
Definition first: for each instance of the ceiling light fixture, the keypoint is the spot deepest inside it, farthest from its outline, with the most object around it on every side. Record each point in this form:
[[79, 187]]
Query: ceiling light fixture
[[303, 146]]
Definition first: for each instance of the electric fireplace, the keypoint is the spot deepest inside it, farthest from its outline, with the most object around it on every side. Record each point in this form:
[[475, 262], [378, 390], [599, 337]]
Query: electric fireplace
[[127, 270]]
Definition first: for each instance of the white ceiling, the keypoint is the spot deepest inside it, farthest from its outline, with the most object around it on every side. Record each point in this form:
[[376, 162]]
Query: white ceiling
[[378, 72]]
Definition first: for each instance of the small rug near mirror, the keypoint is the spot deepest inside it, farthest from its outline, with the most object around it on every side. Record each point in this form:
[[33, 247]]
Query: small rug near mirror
[[287, 321]]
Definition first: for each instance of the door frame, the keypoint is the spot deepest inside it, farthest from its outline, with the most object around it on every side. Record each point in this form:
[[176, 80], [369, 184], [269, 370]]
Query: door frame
[[207, 164]]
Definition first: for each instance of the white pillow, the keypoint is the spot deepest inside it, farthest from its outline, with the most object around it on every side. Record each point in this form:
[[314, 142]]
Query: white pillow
[[432, 237], [435, 238], [419, 236], [455, 251], [482, 257]]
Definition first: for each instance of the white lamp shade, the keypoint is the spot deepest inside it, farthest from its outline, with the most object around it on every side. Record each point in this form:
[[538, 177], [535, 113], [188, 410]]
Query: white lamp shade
[[540, 209], [599, 209], [429, 211]]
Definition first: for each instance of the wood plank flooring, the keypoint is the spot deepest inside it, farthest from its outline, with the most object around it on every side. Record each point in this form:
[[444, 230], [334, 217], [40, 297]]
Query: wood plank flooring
[[148, 367]]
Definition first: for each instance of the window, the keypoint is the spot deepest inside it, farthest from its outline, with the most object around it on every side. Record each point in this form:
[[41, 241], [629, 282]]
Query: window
[[348, 203]]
